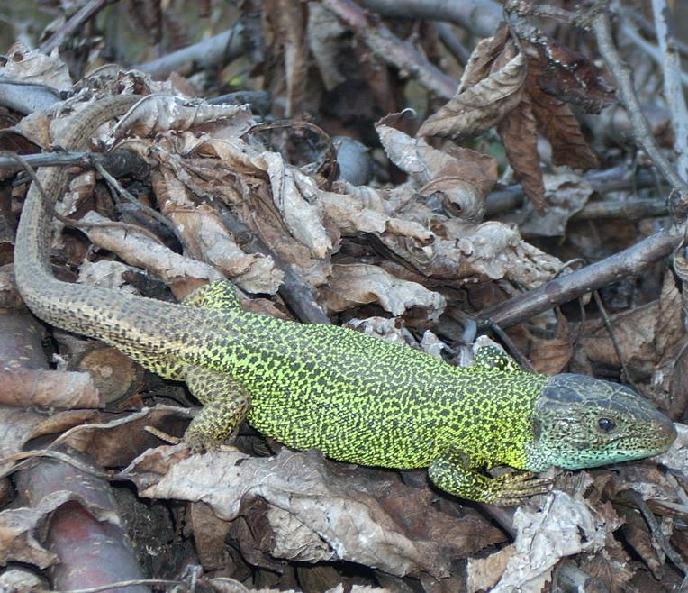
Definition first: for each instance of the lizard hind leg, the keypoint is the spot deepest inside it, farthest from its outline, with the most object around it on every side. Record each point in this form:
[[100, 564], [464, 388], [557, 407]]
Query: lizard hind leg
[[219, 295], [225, 404]]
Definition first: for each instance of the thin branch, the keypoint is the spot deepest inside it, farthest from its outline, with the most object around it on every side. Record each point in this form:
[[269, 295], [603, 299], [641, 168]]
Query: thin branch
[[50, 159], [648, 28], [612, 336], [673, 88], [73, 23], [117, 188], [120, 584], [656, 530], [453, 45], [621, 72], [628, 30], [295, 291], [563, 289], [392, 50], [636, 209], [602, 182]]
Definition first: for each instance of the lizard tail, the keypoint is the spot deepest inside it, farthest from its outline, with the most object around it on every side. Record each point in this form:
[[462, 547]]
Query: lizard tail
[[119, 319]]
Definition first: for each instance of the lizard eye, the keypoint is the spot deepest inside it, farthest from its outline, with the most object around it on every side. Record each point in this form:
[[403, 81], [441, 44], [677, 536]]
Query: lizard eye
[[606, 424]]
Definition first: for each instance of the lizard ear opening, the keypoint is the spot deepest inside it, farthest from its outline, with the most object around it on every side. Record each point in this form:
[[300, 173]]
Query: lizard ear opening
[[537, 428]]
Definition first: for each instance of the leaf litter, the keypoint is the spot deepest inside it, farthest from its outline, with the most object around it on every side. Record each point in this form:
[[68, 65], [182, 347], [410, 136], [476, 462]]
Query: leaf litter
[[391, 259]]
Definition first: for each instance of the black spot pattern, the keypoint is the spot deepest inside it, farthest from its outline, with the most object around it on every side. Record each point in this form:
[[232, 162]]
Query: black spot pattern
[[352, 396]]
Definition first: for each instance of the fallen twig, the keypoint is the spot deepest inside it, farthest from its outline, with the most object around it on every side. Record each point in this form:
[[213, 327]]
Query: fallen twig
[[452, 44]]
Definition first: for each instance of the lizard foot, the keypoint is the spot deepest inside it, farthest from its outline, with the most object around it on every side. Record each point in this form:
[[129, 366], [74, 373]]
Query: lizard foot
[[199, 442], [514, 488]]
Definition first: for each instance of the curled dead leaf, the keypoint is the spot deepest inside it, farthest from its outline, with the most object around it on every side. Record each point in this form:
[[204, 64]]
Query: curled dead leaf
[[357, 284], [476, 108]]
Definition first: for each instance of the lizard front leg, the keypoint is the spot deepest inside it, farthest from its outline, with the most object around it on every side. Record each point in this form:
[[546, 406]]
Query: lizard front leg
[[225, 404], [454, 473]]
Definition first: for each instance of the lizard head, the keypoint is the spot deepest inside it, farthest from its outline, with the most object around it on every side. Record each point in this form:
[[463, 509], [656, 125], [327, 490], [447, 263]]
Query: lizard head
[[582, 422]]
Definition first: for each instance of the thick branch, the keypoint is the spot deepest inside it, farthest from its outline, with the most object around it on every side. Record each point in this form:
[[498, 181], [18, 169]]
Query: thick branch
[[628, 262], [481, 17], [221, 48]]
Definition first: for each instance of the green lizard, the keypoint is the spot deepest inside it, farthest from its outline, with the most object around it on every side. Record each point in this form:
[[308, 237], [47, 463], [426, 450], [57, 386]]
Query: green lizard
[[354, 397]]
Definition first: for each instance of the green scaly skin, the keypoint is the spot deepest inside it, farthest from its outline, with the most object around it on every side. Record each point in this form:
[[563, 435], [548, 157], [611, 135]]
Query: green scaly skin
[[354, 397]]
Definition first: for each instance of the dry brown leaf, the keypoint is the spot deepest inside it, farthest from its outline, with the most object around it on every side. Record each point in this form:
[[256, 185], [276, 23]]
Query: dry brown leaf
[[207, 239], [478, 107], [635, 534], [238, 174], [676, 458], [142, 251], [476, 168], [649, 336], [34, 66], [565, 193], [460, 178], [290, 190], [341, 513], [18, 538], [614, 569], [634, 331], [161, 113], [22, 580], [518, 132], [18, 427], [669, 324], [358, 284], [383, 328], [47, 388], [209, 533], [571, 77], [557, 122], [108, 273], [113, 440], [455, 250], [552, 356], [483, 573], [482, 57]]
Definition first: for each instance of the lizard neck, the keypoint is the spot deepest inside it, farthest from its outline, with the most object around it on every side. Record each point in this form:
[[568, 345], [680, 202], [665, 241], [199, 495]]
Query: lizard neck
[[496, 416]]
